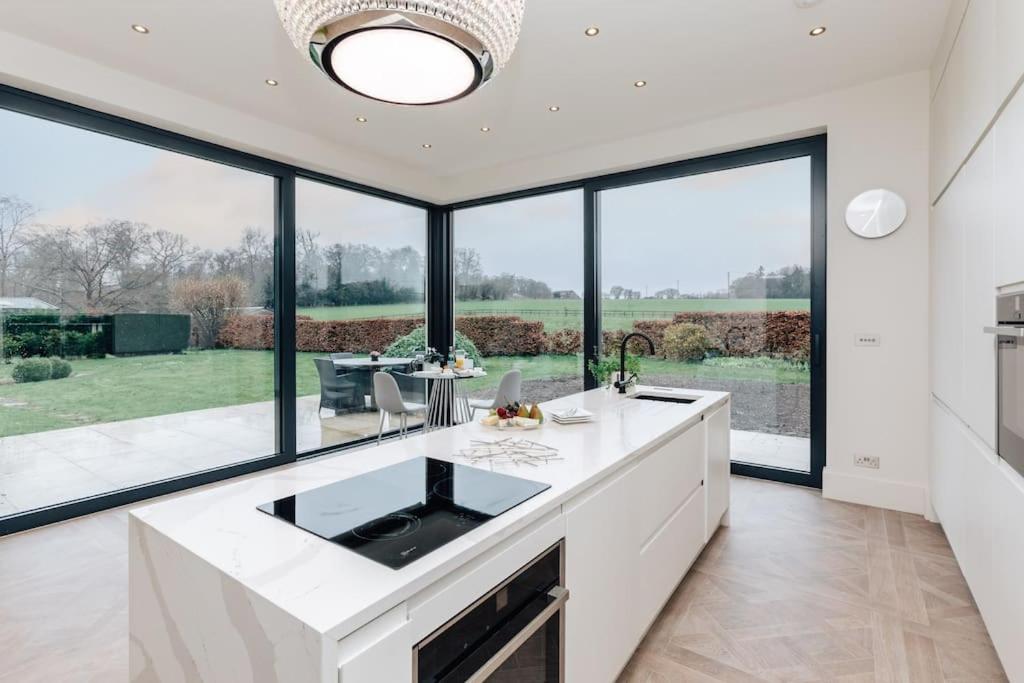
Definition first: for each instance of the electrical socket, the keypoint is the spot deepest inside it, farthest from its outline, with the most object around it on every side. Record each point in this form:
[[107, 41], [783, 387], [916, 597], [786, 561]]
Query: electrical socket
[[869, 461], [867, 339]]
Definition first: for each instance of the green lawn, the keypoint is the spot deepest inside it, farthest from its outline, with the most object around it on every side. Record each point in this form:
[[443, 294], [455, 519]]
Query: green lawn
[[561, 313], [111, 389]]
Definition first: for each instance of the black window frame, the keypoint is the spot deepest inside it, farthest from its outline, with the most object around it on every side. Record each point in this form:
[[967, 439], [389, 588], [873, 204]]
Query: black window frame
[[439, 286]]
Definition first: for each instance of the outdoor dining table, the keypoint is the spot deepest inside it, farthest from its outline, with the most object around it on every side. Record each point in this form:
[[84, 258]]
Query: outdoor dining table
[[368, 365], [448, 403]]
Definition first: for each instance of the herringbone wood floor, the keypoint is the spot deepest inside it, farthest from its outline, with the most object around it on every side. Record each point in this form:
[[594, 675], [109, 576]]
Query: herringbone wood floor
[[800, 588]]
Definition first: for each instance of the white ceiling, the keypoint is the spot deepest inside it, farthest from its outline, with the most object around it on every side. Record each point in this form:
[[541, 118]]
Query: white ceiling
[[701, 58]]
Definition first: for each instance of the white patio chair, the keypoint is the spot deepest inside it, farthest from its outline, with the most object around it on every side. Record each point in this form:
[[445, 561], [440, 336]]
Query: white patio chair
[[390, 403]]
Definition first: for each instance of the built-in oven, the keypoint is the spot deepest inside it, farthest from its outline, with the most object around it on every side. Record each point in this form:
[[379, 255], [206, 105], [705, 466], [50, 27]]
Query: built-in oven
[[516, 632], [1009, 333]]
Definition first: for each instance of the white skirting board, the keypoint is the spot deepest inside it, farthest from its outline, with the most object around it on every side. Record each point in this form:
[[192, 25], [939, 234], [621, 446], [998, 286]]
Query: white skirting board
[[873, 491]]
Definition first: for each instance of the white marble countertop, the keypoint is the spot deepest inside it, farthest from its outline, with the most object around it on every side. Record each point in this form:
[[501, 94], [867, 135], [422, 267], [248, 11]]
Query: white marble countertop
[[334, 590]]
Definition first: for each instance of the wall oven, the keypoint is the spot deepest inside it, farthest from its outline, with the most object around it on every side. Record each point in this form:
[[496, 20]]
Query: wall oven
[[1010, 344], [514, 633]]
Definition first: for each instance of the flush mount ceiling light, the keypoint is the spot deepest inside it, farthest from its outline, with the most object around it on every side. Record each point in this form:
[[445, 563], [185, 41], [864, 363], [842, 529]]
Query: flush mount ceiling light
[[817, 31], [406, 51], [554, 107], [139, 28], [426, 145], [271, 82], [485, 129], [640, 84], [592, 31], [361, 119]]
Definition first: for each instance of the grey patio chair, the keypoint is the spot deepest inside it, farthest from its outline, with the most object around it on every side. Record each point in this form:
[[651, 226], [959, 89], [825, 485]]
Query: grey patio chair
[[337, 392], [413, 389], [390, 403], [508, 392]]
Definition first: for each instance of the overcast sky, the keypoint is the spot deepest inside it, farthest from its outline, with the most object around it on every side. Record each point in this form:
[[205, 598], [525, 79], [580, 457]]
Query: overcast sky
[[694, 231]]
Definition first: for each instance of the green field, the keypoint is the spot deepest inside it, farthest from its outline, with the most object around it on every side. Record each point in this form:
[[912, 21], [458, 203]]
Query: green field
[[112, 389], [617, 314]]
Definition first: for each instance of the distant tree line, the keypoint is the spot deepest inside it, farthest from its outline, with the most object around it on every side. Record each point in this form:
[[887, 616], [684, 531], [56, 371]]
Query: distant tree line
[[471, 284], [125, 266], [789, 282]]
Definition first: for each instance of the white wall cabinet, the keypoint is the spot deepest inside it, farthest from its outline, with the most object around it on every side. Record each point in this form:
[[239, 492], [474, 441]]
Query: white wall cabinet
[[629, 542], [947, 271], [1008, 155], [978, 404]]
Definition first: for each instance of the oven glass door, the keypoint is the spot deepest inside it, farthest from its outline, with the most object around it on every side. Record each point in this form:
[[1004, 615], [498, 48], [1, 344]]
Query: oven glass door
[[1011, 401], [514, 633]]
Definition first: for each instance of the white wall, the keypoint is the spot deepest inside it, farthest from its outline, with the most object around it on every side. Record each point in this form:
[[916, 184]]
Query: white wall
[[977, 172]]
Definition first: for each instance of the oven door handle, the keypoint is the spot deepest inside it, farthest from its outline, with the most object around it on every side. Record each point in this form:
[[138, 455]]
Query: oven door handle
[[1005, 331], [559, 595]]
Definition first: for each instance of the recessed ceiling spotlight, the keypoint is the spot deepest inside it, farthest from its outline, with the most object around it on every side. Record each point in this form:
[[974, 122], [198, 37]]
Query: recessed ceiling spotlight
[[485, 129], [640, 84], [554, 107], [592, 31], [361, 119], [426, 145], [139, 28], [271, 82], [817, 31]]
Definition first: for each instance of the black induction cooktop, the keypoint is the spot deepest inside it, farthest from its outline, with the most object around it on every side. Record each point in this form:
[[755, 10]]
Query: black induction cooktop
[[398, 514]]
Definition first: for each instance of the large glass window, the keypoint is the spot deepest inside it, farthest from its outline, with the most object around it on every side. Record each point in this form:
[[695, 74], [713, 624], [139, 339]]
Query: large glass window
[[136, 314], [360, 268], [716, 268], [518, 292]]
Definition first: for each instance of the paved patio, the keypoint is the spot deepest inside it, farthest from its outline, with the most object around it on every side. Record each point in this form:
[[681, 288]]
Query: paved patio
[[45, 468], [37, 470], [771, 450]]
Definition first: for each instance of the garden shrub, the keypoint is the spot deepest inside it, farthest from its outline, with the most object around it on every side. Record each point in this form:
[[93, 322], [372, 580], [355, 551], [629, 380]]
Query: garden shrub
[[685, 342], [416, 341], [32, 370], [59, 368], [564, 342], [10, 348]]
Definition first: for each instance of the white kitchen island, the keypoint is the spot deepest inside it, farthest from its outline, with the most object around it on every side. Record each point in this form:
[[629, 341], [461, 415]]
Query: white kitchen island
[[221, 592]]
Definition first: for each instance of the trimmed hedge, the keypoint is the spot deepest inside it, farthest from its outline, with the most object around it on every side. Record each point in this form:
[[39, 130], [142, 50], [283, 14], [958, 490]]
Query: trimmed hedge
[[140, 333], [504, 335], [782, 334], [779, 334]]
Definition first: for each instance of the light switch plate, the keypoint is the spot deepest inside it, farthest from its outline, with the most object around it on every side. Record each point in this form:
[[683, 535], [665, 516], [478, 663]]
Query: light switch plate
[[867, 339]]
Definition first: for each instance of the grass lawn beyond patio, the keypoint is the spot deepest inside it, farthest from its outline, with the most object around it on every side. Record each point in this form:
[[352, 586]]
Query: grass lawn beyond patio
[[112, 389], [618, 314]]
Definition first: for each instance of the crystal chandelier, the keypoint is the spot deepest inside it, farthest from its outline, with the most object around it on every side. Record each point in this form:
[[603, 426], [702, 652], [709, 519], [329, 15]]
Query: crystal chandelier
[[406, 51]]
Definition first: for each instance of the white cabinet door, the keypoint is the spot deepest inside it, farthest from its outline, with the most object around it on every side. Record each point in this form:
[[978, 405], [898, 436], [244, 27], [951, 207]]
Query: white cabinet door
[[1009, 44], [628, 543], [716, 483], [947, 309], [600, 561], [1009, 181], [979, 353]]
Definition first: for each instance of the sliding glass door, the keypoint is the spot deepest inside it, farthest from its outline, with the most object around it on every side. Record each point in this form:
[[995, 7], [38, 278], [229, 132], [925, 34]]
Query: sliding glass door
[[360, 270], [128, 277], [717, 264]]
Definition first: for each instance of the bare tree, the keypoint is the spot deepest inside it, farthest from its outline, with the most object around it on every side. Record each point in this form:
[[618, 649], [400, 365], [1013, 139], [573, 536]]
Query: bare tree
[[15, 215], [209, 302]]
